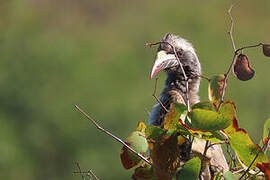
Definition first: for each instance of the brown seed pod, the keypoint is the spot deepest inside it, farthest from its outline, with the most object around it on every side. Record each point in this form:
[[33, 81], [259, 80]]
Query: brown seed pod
[[242, 69], [266, 50]]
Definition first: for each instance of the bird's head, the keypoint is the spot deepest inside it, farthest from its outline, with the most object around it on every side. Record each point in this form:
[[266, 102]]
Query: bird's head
[[166, 59]]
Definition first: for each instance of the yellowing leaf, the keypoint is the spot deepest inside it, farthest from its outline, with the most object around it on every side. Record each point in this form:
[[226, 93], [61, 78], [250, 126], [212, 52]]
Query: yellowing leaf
[[172, 117], [215, 88], [181, 140], [141, 127], [246, 150]]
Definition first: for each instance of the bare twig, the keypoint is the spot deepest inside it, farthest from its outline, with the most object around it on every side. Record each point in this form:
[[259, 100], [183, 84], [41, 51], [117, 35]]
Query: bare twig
[[236, 51], [201, 76], [231, 29], [89, 173], [154, 95], [204, 153], [120, 141], [206, 147], [238, 171], [181, 67], [113, 136], [92, 174], [234, 48], [185, 77], [80, 170]]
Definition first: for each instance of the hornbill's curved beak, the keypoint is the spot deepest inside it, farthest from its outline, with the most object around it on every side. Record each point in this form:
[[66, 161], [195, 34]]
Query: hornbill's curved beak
[[163, 61]]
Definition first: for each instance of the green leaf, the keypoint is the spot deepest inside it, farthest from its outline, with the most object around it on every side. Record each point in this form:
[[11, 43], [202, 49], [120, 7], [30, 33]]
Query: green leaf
[[171, 120], [191, 170], [229, 176], [138, 142], [215, 88], [203, 105], [209, 120]]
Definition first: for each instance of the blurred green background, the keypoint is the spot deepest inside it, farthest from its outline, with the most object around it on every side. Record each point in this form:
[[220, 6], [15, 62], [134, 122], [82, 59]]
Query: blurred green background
[[55, 54]]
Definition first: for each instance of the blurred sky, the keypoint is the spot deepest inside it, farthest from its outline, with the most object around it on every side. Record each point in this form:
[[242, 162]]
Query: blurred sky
[[55, 54]]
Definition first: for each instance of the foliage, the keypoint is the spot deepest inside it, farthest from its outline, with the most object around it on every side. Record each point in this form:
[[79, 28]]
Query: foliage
[[214, 121], [204, 121]]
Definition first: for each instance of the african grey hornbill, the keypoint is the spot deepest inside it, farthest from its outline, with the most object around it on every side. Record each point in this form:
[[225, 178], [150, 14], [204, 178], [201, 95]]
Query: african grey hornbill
[[175, 89], [175, 85]]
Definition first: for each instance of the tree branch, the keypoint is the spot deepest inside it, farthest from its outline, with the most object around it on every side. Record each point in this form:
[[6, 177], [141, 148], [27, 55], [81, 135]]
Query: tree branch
[[89, 173], [80, 170], [111, 135], [236, 51], [231, 29], [154, 95]]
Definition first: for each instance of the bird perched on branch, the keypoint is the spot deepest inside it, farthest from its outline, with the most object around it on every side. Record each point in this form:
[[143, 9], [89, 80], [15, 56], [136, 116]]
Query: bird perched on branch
[[176, 88]]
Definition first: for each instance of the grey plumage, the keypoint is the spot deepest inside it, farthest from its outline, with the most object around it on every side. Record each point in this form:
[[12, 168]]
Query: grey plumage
[[175, 89]]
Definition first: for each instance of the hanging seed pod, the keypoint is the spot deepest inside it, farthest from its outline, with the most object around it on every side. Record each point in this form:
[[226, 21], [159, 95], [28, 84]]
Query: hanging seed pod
[[266, 50], [242, 69]]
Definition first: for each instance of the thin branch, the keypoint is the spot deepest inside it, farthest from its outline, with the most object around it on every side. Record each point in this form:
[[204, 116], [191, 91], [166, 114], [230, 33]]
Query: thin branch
[[231, 29], [80, 170], [181, 67], [246, 171], [201, 76], [247, 47], [204, 154], [232, 156], [206, 147], [238, 171], [120, 141], [154, 95], [236, 51], [185, 77], [89, 173], [93, 174], [113, 136]]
